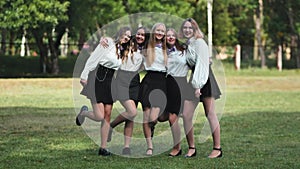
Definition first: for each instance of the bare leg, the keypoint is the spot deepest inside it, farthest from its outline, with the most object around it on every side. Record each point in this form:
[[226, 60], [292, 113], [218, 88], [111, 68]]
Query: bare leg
[[154, 113], [209, 108], [129, 114], [147, 130], [175, 128], [97, 114], [188, 113], [105, 125], [128, 130]]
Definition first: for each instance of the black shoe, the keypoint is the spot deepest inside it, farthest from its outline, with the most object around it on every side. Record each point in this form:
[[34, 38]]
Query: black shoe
[[126, 151], [193, 155], [218, 156], [178, 154], [109, 134], [104, 152], [79, 118]]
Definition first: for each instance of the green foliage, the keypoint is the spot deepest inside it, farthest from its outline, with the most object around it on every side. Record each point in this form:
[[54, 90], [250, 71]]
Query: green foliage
[[33, 14], [282, 20], [232, 19], [225, 31]]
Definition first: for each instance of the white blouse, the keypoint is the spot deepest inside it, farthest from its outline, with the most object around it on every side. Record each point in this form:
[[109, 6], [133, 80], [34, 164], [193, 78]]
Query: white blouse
[[177, 65], [198, 56], [159, 62], [106, 57], [133, 63]]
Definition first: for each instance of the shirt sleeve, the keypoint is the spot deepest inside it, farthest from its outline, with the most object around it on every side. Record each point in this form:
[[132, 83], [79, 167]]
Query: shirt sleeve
[[92, 62], [201, 71]]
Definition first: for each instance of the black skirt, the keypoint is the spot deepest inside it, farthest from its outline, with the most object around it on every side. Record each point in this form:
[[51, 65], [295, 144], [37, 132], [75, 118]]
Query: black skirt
[[210, 89], [99, 87], [176, 93], [127, 86], [153, 90]]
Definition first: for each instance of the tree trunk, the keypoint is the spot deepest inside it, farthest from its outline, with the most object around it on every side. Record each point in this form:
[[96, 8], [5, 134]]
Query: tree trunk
[[210, 26], [81, 39], [258, 26], [12, 49], [3, 42], [53, 63], [43, 51], [295, 39]]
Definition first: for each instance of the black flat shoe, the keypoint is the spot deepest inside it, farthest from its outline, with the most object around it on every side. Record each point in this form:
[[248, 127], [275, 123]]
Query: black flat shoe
[[193, 155], [218, 156], [178, 154], [104, 152], [126, 151], [79, 118]]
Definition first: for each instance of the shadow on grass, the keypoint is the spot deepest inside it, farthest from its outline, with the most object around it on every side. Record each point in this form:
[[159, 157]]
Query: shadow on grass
[[49, 138]]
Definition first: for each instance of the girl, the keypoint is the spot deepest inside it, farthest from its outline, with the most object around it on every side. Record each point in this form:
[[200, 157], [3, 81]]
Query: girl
[[98, 88], [204, 87], [176, 86], [153, 85], [127, 86]]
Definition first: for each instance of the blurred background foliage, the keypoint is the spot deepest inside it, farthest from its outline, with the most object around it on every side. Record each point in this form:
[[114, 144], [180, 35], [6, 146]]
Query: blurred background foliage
[[44, 27]]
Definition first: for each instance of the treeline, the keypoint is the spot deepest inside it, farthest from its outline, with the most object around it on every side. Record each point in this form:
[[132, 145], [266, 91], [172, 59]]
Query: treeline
[[264, 25]]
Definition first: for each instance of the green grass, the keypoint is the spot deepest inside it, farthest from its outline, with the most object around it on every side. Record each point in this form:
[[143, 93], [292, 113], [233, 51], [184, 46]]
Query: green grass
[[259, 126]]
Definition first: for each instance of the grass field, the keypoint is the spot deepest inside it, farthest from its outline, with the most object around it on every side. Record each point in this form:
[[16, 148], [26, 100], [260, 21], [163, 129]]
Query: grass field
[[259, 127]]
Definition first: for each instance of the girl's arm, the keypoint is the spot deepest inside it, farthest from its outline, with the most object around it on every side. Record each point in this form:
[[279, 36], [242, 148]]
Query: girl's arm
[[201, 72], [92, 61]]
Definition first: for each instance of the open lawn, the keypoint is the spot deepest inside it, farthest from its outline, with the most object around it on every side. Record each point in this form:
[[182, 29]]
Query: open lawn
[[259, 126]]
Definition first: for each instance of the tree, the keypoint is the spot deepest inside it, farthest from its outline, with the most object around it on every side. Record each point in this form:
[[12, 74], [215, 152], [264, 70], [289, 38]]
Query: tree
[[283, 25], [39, 18], [258, 19], [88, 16]]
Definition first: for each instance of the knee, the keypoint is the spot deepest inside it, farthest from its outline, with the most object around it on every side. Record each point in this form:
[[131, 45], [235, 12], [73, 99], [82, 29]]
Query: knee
[[132, 113], [173, 118], [99, 116]]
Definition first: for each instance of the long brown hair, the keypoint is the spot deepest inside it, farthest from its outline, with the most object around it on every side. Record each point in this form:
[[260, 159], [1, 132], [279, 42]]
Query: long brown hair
[[134, 46], [122, 49], [150, 54], [197, 32]]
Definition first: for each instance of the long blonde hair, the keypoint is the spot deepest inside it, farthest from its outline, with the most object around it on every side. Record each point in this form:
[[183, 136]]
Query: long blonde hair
[[150, 52]]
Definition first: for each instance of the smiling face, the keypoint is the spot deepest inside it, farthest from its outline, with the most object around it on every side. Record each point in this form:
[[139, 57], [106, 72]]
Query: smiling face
[[171, 38], [125, 37], [188, 30], [159, 32], [140, 36]]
